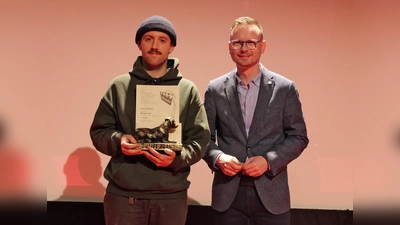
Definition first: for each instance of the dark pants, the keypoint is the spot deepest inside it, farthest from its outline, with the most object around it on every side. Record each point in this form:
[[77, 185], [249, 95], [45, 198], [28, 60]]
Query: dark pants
[[119, 210], [247, 209]]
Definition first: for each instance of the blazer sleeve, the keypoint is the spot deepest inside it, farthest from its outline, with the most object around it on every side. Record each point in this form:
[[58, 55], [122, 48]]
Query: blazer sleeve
[[294, 131], [213, 152]]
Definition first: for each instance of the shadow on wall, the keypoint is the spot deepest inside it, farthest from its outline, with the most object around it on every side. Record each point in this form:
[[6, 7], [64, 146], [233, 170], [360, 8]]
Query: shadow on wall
[[83, 172], [15, 167], [397, 138], [192, 201]]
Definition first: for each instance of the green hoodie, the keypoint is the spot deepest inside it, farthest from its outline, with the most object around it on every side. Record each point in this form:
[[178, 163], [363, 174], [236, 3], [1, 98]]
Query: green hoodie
[[136, 176]]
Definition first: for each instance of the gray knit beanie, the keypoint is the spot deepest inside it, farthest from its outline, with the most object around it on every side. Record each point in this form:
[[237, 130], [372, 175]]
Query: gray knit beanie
[[156, 23]]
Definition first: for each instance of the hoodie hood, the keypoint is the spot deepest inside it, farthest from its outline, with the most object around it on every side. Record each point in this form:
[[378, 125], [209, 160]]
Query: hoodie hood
[[172, 77]]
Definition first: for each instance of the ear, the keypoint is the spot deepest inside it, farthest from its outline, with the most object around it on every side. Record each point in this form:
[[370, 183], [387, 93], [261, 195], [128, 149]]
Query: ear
[[263, 46], [171, 49], [139, 46]]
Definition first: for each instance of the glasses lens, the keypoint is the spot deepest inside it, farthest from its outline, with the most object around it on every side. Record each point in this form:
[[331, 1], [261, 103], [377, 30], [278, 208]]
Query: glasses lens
[[236, 45], [251, 45]]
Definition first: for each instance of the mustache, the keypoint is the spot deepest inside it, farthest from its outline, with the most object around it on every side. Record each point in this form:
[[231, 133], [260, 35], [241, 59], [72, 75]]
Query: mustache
[[154, 51]]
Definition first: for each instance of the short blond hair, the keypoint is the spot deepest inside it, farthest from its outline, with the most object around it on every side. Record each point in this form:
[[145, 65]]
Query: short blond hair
[[246, 20]]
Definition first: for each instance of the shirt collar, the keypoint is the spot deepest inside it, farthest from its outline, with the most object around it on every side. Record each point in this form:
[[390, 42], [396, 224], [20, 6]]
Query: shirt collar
[[256, 81]]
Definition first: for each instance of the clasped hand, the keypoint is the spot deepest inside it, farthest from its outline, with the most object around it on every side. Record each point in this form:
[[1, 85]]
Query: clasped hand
[[254, 166], [129, 146]]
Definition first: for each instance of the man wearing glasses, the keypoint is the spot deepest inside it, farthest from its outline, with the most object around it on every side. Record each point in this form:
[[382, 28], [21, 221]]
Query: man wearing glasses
[[257, 129]]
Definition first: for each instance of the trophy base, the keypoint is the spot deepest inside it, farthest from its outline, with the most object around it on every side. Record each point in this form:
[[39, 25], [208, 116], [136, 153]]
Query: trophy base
[[161, 146]]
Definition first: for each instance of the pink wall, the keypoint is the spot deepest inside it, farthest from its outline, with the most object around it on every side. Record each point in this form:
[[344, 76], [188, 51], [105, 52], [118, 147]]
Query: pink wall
[[57, 58]]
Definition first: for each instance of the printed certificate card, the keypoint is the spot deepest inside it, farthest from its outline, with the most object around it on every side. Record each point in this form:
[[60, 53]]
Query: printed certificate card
[[157, 117]]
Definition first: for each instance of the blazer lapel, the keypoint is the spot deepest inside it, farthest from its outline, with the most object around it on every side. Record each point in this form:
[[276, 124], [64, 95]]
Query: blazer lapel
[[266, 87], [233, 99]]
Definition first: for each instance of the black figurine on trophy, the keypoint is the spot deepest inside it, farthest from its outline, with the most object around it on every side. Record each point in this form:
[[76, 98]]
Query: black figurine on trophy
[[158, 137]]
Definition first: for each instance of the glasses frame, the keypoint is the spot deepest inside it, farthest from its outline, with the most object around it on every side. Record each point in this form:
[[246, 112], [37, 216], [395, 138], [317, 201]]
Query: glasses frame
[[255, 41]]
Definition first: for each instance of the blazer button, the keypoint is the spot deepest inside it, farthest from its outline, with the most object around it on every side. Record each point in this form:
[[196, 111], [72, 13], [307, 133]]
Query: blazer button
[[248, 148]]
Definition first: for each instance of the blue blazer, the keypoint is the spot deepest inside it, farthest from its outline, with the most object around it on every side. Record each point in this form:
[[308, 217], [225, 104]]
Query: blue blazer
[[278, 132]]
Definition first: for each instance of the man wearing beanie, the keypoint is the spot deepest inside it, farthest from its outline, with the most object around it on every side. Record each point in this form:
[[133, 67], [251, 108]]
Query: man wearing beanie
[[148, 187]]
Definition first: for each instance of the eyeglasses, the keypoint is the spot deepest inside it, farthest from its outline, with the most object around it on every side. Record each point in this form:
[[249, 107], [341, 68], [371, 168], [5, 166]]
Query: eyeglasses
[[251, 44]]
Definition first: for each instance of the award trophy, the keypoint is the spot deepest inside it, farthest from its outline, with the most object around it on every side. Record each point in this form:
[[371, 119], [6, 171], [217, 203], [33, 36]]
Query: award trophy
[[157, 117]]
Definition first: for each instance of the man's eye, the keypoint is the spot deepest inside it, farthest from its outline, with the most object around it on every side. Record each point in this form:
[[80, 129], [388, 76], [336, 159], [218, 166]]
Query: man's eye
[[251, 44]]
